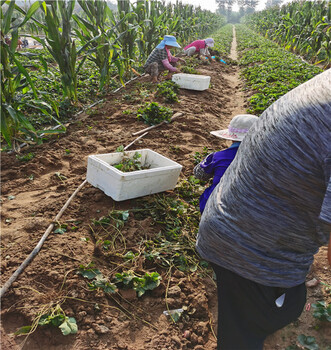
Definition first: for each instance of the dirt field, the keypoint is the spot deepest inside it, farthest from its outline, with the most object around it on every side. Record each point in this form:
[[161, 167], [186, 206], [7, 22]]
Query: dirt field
[[33, 193]]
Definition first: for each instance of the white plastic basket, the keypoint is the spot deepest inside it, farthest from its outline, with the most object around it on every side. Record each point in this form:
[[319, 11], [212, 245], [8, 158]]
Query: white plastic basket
[[192, 81], [161, 176]]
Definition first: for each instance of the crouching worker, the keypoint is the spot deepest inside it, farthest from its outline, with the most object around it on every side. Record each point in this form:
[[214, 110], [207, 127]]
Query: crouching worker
[[268, 216], [215, 164], [161, 59], [200, 48]]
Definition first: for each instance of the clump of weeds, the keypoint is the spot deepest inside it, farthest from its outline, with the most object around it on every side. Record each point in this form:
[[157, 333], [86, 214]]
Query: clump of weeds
[[154, 113], [188, 70], [168, 90]]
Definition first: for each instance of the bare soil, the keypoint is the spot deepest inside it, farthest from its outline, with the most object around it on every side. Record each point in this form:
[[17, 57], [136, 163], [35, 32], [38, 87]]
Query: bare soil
[[33, 193]]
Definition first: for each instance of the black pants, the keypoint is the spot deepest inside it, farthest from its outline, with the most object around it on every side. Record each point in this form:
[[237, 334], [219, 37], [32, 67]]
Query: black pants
[[247, 312]]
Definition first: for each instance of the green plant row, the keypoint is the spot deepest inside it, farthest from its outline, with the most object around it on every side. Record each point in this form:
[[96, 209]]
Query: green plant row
[[223, 40], [301, 26], [113, 40], [270, 71]]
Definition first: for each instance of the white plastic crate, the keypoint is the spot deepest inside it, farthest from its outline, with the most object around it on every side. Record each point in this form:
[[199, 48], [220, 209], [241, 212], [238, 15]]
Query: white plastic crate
[[161, 176], [192, 81]]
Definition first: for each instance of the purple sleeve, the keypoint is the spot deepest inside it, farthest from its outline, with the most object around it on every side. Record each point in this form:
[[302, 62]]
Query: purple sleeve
[[168, 66], [208, 164]]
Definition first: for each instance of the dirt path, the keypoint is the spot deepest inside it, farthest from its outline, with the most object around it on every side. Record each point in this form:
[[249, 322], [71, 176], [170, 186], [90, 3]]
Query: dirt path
[[237, 103], [33, 192]]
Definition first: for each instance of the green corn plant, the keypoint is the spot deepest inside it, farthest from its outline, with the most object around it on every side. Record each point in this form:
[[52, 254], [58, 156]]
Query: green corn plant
[[128, 29], [99, 33], [17, 88], [151, 18], [59, 43], [300, 26]]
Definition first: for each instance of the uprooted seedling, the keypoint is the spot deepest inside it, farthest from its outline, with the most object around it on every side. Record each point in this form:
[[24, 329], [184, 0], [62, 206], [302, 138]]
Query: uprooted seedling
[[97, 280], [142, 284], [107, 231], [130, 163], [55, 316], [126, 280], [49, 313]]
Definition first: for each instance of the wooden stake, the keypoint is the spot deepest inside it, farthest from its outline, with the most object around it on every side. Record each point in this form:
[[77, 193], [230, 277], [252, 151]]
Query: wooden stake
[[176, 115], [138, 138]]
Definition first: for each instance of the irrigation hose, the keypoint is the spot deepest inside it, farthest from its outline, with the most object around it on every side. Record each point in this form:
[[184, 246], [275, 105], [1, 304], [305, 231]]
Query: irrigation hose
[[36, 250]]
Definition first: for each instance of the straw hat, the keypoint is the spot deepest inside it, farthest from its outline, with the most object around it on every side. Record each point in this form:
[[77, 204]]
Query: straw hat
[[238, 127]]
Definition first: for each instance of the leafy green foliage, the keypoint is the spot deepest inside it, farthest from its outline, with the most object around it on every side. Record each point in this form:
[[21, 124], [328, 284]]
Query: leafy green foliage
[[190, 189], [115, 218], [308, 342], [175, 243], [169, 90], [189, 70], [153, 113], [200, 156], [128, 164], [140, 284], [54, 317], [17, 86], [303, 27], [269, 70], [67, 325], [88, 271], [322, 311], [100, 282], [25, 157], [97, 280], [223, 41], [107, 47]]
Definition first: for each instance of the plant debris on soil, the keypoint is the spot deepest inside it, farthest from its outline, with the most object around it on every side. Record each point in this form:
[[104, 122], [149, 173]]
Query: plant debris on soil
[[124, 273]]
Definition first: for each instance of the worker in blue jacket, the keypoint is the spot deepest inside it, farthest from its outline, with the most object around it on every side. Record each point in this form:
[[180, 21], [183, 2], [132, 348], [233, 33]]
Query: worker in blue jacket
[[215, 164]]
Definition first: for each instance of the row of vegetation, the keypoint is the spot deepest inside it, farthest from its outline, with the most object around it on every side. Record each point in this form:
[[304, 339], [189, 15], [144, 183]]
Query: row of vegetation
[[113, 44], [301, 26], [169, 244], [223, 40], [269, 71]]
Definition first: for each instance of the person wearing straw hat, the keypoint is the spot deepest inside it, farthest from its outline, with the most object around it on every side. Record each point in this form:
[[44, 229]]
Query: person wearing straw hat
[[269, 215], [215, 164], [200, 48], [161, 59]]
